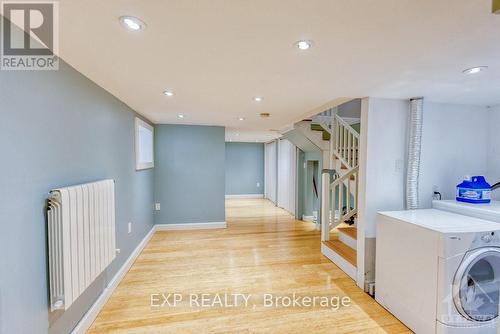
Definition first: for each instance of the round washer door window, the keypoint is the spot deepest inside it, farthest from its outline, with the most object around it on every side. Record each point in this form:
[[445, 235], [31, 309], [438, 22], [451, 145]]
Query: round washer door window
[[477, 285]]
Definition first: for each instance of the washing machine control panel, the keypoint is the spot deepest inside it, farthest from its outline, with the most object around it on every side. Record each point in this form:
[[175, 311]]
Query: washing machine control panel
[[454, 244], [488, 238]]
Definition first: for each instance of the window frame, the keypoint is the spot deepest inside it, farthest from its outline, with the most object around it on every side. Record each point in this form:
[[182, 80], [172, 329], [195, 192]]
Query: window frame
[[139, 123]]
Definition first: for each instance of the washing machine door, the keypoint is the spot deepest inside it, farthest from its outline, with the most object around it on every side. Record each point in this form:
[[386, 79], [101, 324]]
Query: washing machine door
[[476, 286]]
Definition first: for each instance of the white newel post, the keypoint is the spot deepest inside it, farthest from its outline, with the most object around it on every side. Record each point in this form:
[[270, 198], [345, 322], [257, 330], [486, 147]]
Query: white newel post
[[325, 206]]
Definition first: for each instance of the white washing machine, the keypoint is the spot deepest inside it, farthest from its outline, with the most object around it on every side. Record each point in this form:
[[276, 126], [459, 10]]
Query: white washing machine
[[439, 272]]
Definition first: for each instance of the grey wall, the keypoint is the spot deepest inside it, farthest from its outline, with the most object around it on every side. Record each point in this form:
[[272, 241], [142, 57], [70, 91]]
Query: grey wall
[[244, 168], [351, 109], [454, 144], [383, 148], [57, 129], [189, 174]]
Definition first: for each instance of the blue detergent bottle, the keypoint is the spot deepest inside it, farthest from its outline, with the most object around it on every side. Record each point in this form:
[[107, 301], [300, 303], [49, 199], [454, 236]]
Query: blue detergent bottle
[[474, 190]]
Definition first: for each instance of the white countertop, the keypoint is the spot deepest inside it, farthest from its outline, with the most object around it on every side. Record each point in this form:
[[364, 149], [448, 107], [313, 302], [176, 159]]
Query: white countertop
[[443, 221], [489, 211]]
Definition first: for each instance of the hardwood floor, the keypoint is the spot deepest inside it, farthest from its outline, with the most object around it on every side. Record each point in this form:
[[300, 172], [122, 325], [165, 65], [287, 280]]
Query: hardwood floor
[[263, 251]]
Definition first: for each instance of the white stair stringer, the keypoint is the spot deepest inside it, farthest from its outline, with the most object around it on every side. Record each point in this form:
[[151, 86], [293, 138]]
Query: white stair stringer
[[316, 137], [301, 135], [342, 263]]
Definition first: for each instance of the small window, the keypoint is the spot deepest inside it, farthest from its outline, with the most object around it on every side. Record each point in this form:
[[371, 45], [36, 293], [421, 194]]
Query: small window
[[144, 145]]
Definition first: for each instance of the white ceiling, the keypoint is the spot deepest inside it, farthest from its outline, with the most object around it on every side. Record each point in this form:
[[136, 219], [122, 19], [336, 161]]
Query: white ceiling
[[246, 135], [218, 54]]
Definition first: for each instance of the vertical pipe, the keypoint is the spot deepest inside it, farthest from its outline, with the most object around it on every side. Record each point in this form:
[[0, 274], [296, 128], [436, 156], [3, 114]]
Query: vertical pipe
[[414, 146]]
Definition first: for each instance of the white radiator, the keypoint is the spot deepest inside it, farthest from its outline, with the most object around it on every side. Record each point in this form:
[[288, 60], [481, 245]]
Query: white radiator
[[81, 237]]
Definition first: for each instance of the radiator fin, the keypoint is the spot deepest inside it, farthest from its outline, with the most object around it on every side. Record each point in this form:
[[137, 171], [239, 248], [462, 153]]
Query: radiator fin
[[81, 238]]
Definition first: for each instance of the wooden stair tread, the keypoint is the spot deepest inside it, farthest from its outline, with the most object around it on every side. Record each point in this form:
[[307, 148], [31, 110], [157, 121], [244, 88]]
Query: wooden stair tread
[[318, 127], [350, 231], [343, 250]]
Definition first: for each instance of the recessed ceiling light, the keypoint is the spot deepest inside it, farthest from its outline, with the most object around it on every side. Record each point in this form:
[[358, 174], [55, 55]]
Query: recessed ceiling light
[[241, 118], [168, 93], [303, 45], [258, 99], [474, 70], [180, 116], [132, 23], [237, 134]]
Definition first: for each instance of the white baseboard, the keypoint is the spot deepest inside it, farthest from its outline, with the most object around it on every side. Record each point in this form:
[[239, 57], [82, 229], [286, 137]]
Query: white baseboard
[[89, 317], [190, 226], [308, 218], [245, 196]]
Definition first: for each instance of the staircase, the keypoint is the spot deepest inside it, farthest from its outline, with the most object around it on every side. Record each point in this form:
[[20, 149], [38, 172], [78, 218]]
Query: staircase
[[338, 141], [340, 194], [308, 136]]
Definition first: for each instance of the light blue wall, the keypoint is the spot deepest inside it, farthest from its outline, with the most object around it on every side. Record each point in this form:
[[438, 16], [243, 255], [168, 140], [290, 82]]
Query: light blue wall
[[189, 174], [309, 165], [244, 168], [58, 128]]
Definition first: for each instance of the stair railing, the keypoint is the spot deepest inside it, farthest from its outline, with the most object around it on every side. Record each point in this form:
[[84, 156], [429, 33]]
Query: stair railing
[[345, 142], [344, 191], [340, 196]]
